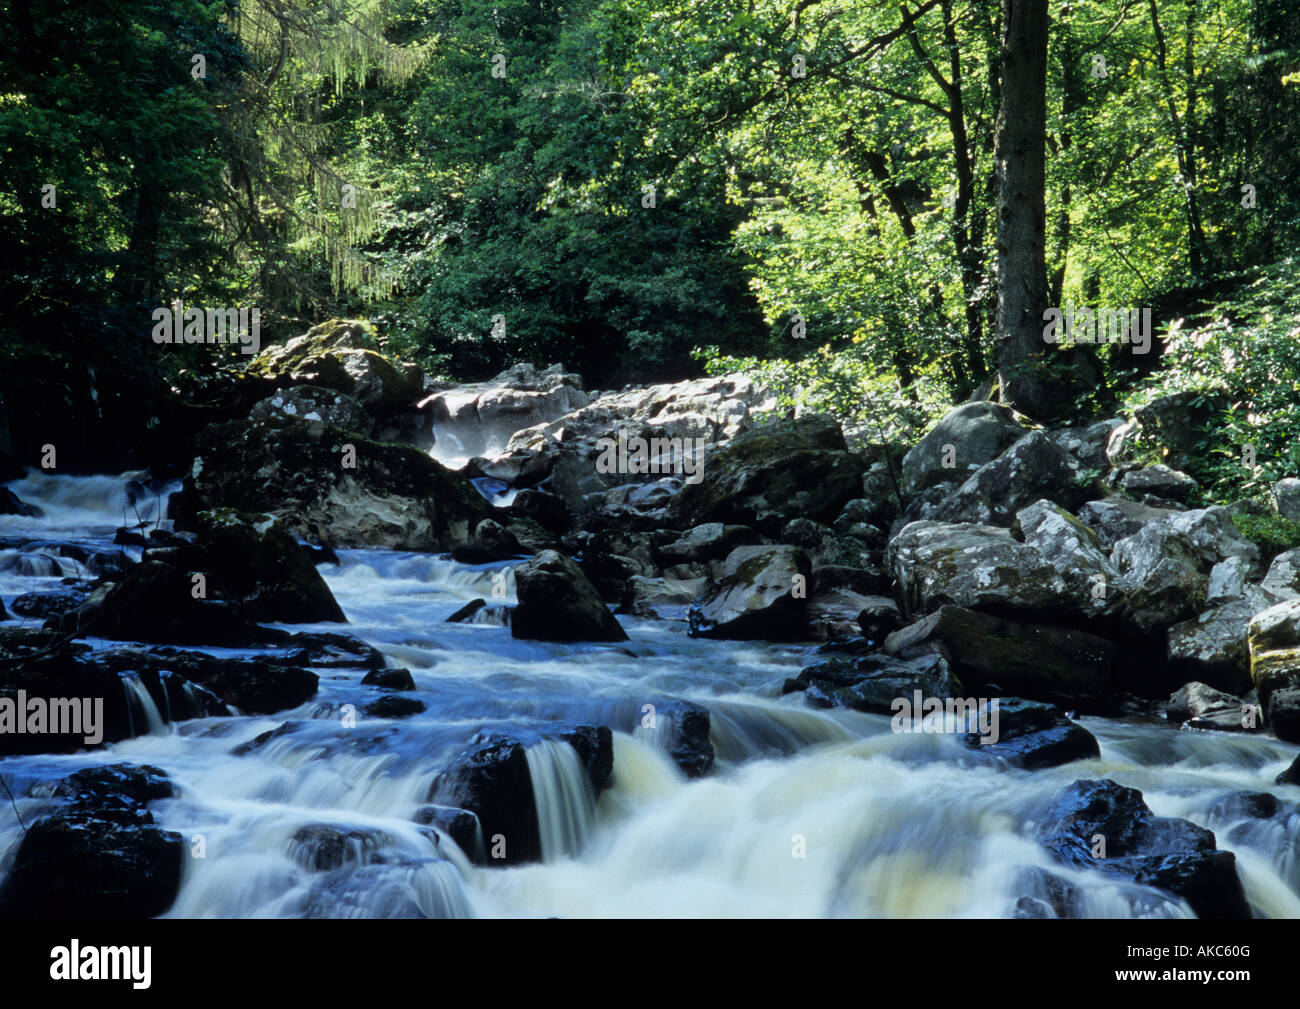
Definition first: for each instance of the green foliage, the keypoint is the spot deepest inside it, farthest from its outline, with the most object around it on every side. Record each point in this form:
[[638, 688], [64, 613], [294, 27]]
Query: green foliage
[[1273, 534], [1246, 344]]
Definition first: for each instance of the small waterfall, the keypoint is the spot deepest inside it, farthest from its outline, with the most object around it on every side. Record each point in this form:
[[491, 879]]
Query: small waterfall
[[140, 702], [95, 502], [566, 806]]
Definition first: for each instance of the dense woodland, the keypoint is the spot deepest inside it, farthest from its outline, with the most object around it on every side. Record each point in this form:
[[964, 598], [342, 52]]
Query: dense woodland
[[645, 190]]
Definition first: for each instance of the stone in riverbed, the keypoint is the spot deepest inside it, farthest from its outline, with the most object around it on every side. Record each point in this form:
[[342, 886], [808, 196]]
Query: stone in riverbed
[[1166, 853], [977, 433], [1038, 661], [1033, 735], [1200, 706], [873, 682], [557, 602], [758, 598], [100, 857]]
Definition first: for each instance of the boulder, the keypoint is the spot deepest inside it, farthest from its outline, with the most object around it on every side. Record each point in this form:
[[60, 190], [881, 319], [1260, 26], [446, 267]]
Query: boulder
[[340, 355], [1273, 639], [767, 476], [155, 603], [100, 857], [336, 487], [1282, 580], [557, 602], [688, 742], [1115, 518], [253, 560], [1160, 482], [762, 596], [1211, 648], [12, 504], [315, 406], [389, 679], [679, 423], [1042, 662], [706, 542], [393, 706], [979, 567], [480, 419], [977, 432], [257, 684], [491, 780], [873, 682], [1031, 735], [1200, 706], [1033, 468], [1074, 550], [1162, 852], [1286, 498]]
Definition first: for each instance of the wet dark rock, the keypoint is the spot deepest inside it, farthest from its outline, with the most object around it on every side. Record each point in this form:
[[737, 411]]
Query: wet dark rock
[[1166, 853], [12, 504], [1038, 661], [394, 706], [329, 650], [155, 604], [43, 605], [1291, 776], [491, 780], [100, 857], [390, 679], [459, 824], [557, 602], [257, 685], [873, 682], [688, 737], [322, 847], [466, 611], [1033, 735], [594, 745]]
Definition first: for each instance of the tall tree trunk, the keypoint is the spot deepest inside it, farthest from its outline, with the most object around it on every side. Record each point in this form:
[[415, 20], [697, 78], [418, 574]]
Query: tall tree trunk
[[1020, 156]]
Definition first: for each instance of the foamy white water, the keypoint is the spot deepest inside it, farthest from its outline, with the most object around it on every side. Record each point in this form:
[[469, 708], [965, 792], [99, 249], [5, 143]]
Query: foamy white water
[[807, 813]]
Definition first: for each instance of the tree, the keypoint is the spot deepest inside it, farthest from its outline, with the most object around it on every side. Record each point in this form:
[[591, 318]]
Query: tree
[[1020, 153]]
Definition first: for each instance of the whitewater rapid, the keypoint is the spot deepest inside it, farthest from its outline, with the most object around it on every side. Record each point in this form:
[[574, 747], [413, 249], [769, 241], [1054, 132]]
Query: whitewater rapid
[[806, 814]]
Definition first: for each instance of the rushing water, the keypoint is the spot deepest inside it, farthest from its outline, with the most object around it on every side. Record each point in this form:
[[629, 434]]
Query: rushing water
[[807, 813]]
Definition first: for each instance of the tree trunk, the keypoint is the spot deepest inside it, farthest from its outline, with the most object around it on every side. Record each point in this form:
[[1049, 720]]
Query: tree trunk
[[1020, 156]]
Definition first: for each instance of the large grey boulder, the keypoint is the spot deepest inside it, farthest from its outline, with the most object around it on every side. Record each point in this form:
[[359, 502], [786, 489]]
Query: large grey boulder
[[1200, 706], [1115, 518], [1074, 550], [762, 596], [1034, 467], [1283, 577], [967, 438], [767, 476], [979, 567], [1286, 498], [1211, 648]]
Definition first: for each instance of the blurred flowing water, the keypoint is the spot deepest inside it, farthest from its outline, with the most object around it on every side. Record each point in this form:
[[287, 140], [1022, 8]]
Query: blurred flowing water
[[806, 814]]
